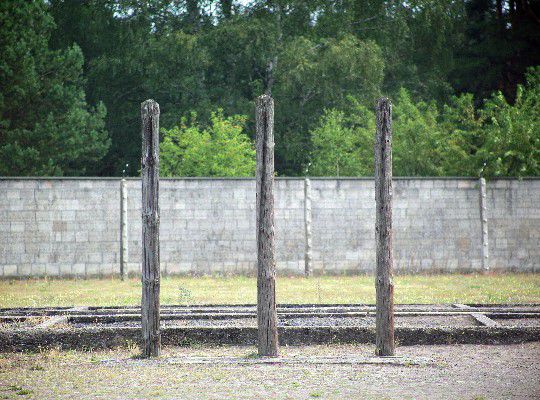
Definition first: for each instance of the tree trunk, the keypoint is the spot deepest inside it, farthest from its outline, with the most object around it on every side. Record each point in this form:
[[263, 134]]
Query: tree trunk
[[385, 345], [150, 229], [266, 266]]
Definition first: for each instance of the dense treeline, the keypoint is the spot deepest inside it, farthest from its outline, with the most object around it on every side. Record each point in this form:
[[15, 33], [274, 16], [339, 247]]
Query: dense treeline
[[461, 74]]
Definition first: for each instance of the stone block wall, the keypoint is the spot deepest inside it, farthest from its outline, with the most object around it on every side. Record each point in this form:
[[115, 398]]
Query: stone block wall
[[70, 226]]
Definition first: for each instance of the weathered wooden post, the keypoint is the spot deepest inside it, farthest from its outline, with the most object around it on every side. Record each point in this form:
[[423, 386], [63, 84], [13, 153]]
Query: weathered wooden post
[[123, 230], [307, 226], [266, 265], [384, 285], [484, 225], [150, 229]]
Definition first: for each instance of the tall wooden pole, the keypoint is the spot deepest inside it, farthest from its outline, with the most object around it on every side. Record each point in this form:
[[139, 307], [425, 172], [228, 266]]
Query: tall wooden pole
[[266, 265], [150, 229], [123, 230], [384, 285]]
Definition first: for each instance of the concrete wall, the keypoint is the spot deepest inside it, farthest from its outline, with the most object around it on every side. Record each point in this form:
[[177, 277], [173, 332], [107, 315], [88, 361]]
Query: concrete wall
[[71, 226]]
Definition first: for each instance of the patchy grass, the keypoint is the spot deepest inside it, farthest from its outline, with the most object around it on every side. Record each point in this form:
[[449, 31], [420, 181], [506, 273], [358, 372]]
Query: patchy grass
[[502, 372], [493, 288]]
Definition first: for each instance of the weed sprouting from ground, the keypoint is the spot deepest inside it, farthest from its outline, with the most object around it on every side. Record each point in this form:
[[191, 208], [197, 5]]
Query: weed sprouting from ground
[[184, 295], [132, 347], [19, 390], [189, 342]]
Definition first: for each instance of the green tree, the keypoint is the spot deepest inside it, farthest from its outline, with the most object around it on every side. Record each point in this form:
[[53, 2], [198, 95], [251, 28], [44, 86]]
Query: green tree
[[423, 145], [46, 126], [512, 132], [343, 143], [417, 139], [501, 38], [318, 75], [418, 39], [221, 149], [169, 69], [201, 55], [462, 128]]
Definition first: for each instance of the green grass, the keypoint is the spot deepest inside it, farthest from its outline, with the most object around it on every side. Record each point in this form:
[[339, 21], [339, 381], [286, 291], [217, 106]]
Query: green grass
[[493, 288]]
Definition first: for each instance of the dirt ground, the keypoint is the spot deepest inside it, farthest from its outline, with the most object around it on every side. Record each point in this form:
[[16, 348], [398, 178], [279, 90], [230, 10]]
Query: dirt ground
[[445, 372]]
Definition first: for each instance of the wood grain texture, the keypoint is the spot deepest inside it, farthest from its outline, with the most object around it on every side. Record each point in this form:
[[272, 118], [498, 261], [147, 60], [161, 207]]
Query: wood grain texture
[[266, 264], [385, 345], [150, 229]]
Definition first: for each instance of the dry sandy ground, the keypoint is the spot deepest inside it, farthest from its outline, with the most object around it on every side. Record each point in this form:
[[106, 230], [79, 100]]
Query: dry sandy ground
[[454, 372]]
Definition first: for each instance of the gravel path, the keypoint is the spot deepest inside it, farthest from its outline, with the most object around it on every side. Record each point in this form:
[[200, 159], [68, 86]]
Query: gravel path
[[519, 322], [413, 322], [455, 372]]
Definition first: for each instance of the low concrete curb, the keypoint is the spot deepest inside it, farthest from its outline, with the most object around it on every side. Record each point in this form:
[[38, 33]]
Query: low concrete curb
[[89, 338], [32, 329]]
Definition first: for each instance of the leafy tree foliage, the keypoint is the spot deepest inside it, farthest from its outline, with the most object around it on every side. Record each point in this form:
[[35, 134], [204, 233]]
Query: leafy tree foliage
[[462, 130], [499, 139], [221, 149], [46, 126], [343, 142], [418, 141], [438, 59], [500, 42], [315, 76], [512, 132]]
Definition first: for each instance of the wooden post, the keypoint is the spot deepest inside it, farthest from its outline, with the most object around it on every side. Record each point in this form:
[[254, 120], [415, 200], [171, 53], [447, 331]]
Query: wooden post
[[266, 265], [484, 224], [123, 230], [384, 285], [307, 226], [150, 229]]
